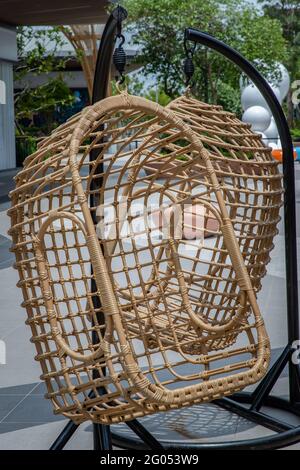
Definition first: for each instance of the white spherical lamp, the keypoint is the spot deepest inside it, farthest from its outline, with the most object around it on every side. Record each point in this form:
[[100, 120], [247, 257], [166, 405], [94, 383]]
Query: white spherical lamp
[[272, 132], [251, 96], [258, 117]]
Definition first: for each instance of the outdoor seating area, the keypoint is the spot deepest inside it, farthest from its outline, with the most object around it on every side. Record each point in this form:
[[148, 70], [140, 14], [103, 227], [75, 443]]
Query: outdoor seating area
[[149, 240]]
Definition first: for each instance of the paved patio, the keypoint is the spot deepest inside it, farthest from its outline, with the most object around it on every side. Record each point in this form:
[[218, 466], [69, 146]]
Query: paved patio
[[26, 419]]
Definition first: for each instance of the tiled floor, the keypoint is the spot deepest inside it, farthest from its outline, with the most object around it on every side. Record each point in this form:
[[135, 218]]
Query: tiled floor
[[26, 418]]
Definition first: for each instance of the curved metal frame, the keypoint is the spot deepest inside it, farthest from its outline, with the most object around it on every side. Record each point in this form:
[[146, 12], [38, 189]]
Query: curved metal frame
[[288, 435]]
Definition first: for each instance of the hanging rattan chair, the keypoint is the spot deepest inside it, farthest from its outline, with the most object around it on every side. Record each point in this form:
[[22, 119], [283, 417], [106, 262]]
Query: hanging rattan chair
[[166, 303]]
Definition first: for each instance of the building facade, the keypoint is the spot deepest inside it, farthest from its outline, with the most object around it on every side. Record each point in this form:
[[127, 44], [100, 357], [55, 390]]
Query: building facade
[[8, 56]]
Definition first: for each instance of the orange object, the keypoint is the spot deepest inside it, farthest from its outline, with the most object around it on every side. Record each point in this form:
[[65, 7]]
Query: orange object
[[277, 154]]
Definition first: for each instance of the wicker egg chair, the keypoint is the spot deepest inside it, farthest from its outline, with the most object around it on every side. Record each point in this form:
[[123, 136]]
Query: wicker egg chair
[[146, 346]]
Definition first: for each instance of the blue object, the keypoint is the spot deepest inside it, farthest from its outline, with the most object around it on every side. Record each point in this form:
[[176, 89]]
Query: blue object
[[297, 150]]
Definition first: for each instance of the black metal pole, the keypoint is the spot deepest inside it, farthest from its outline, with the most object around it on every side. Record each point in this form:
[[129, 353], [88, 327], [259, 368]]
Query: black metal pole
[[144, 435], [101, 433], [64, 436], [265, 386], [289, 186], [254, 416], [105, 53], [102, 438]]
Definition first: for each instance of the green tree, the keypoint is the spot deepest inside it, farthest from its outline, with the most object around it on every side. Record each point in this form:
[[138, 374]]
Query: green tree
[[157, 28], [288, 14], [39, 54]]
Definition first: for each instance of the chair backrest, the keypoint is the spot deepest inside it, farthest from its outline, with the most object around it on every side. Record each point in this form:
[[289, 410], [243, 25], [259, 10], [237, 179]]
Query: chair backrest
[[122, 326]]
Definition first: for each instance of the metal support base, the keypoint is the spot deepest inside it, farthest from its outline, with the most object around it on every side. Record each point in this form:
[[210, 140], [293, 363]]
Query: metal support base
[[286, 433], [270, 442]]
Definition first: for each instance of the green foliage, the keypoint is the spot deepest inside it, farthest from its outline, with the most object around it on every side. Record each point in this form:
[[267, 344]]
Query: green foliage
[[46, 97], [230, 98], [136, 87], [133, 85], [25, 145], [295, 132], [157, 29], [159, 96], [38, 52], [288, 14]]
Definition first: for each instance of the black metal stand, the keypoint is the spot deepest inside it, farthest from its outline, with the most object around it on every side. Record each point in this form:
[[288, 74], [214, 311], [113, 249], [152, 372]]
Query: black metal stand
[[286, 434], [101, 433]]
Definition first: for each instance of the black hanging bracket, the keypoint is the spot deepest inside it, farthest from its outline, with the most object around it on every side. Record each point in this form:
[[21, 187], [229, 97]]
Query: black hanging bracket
[[119, 55], [119, 59], [188, 65]]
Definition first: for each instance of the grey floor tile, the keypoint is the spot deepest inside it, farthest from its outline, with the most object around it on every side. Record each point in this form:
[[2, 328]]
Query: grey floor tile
[[33, 409], [40, 389], [7, 329], [20, 367], [8, 403], [283, 416], [272, 302], [22, 390], [82, 439], [6, 257], [12, 427], [293, 447], [4, 205], [20, 436]]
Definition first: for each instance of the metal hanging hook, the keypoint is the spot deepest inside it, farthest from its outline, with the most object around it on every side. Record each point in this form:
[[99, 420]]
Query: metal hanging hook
[[188, 65], [119, 55], [119, 60]]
